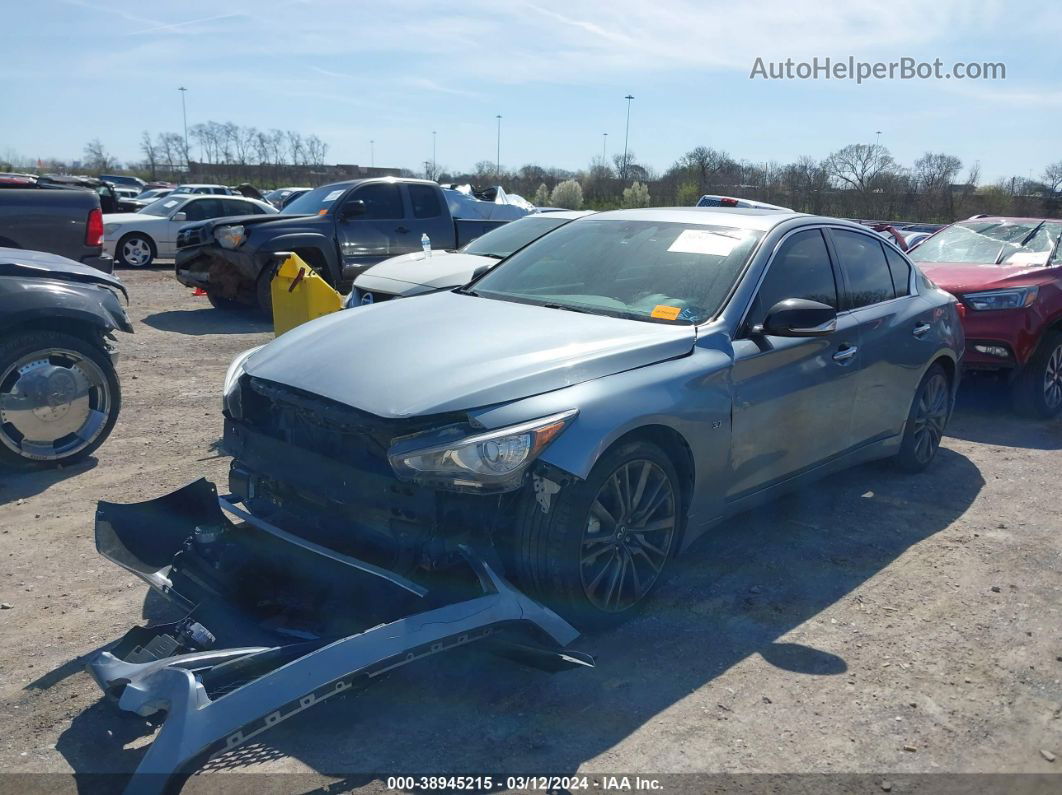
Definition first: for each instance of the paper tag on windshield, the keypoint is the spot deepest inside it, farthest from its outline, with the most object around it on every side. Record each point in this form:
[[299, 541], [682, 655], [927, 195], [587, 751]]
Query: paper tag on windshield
[[699, 241], [665, 312], [331, 197], [170, 203]]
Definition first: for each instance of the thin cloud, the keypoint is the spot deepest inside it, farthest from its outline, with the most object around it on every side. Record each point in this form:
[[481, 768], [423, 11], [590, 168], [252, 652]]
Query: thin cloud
[[176, 26]]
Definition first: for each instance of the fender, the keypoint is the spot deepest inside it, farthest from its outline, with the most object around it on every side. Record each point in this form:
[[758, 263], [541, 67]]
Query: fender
[[697, 383], [39, 299]]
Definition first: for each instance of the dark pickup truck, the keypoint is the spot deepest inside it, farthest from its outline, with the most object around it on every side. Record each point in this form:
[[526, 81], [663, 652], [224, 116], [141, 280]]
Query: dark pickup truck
[[62, 221], [340, 229]]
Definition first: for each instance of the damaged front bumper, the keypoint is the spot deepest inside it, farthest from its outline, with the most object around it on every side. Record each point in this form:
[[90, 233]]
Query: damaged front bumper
[[275, 624]]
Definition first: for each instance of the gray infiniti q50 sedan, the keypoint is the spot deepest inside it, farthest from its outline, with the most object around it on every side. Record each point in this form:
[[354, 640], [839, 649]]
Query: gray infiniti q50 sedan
[[589, 407]]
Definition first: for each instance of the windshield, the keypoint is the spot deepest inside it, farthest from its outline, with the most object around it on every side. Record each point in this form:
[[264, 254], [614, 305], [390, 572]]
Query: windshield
[[162, 207], [316, 201], [644, 270], [1028, 243], [504, 240]]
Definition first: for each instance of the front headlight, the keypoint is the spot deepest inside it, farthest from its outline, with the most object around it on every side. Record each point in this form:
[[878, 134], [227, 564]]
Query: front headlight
[[352, 300], [487, 462], [229, 236], [231, 400], [1016, 298]]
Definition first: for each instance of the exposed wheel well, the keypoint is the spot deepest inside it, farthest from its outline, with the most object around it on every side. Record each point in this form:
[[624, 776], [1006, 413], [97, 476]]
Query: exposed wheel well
[[316, 260]]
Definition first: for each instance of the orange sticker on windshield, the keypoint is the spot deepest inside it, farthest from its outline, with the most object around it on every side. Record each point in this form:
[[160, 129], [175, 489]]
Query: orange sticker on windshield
[[665, 312]]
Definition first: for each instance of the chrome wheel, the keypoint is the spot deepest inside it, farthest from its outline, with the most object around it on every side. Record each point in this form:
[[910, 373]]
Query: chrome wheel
[[136, 252], [53, 403], [1053, 379], [628, 535], [931, 415]]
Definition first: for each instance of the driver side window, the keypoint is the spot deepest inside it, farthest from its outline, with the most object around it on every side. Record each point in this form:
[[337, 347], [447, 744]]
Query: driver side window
[[800, 269]]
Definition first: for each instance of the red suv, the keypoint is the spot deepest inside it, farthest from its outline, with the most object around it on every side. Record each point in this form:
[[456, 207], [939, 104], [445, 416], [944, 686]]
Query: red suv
[[1007, 275]]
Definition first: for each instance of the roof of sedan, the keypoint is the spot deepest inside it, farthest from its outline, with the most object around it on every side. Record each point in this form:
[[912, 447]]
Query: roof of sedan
[[741, 217]]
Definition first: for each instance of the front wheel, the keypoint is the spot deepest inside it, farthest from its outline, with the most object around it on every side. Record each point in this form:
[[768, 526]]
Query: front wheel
[[59, 398], [926, 421], [602, 545], [1038, 389]]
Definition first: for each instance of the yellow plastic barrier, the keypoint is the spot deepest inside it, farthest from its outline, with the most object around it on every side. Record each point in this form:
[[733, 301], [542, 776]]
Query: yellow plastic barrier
[[299, 295]]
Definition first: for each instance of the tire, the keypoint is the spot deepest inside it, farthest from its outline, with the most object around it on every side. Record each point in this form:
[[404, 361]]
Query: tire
[[224, 304], [135, 250], [263, 293], [76, 391], [592, 579], [1037, 391], [926, 421]]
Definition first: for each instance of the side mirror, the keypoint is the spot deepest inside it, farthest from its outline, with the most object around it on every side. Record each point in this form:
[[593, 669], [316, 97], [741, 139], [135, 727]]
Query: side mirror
[[799, 317], [353, 209], [180, 217]]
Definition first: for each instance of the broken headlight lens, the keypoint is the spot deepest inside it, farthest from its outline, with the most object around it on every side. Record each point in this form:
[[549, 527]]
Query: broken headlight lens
[[229, 236], [230, 391], [490, 461]]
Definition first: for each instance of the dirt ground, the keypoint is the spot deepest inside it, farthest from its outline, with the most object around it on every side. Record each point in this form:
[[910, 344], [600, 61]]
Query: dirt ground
[[877, 623]]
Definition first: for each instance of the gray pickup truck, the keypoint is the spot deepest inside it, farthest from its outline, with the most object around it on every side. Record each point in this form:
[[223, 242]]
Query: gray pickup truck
[[62, 221], [340, 229]]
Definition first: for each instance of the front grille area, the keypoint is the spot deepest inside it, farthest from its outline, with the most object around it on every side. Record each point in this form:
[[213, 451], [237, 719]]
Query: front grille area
[[370, 297], [319, 469]]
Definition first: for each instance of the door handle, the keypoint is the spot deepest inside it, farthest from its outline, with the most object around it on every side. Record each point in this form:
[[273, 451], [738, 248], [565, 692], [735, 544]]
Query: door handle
[[845, 354], [401, 229], [921, 329]]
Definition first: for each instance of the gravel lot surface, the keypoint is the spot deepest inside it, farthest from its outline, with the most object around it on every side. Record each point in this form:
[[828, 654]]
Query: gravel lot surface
[[876, 623]]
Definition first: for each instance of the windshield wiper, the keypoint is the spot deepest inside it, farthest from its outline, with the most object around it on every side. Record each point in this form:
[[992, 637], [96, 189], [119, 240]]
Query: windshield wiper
[[568, 308], [1020, 245]]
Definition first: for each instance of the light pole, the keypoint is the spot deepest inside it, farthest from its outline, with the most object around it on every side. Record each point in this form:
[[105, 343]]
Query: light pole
[[604, 147], [626, 136], [372, 153], [433, 174], [184, 115], [877, 138], [497, 161]]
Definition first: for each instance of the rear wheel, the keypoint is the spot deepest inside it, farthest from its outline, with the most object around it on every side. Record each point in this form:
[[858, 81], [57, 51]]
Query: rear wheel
[[926, 421], [135, 250], [603, 544], [1038, 389], [59, 398]]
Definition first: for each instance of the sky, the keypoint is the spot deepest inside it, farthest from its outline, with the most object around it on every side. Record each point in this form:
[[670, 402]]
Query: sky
[[352, 71]]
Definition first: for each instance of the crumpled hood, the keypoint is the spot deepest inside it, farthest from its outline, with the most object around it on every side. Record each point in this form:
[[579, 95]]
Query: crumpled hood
[[43, 265], [449, 352], [441, 269], [962, 278]]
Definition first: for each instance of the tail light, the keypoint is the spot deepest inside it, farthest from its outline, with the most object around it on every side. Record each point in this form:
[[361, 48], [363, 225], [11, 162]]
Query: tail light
[[728, 202], [94, 228], [961, 309]]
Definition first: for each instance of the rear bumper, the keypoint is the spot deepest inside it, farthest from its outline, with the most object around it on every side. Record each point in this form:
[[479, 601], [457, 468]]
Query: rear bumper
[[101, 262]]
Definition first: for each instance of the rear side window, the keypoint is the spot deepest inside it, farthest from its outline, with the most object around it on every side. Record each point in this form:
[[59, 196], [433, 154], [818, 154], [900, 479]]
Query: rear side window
[[901, 272], [382, 201], [425, 200], [866, 271], [800, 269], [237, 207]]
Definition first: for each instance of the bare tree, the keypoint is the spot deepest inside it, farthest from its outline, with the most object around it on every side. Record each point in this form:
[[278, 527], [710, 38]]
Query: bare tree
[[96, 157], [316, 149], [151, 153], [1052, 177]]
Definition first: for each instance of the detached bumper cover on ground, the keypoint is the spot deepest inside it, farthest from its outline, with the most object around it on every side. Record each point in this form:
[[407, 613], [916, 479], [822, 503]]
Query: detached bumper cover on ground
[[262, 641]]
